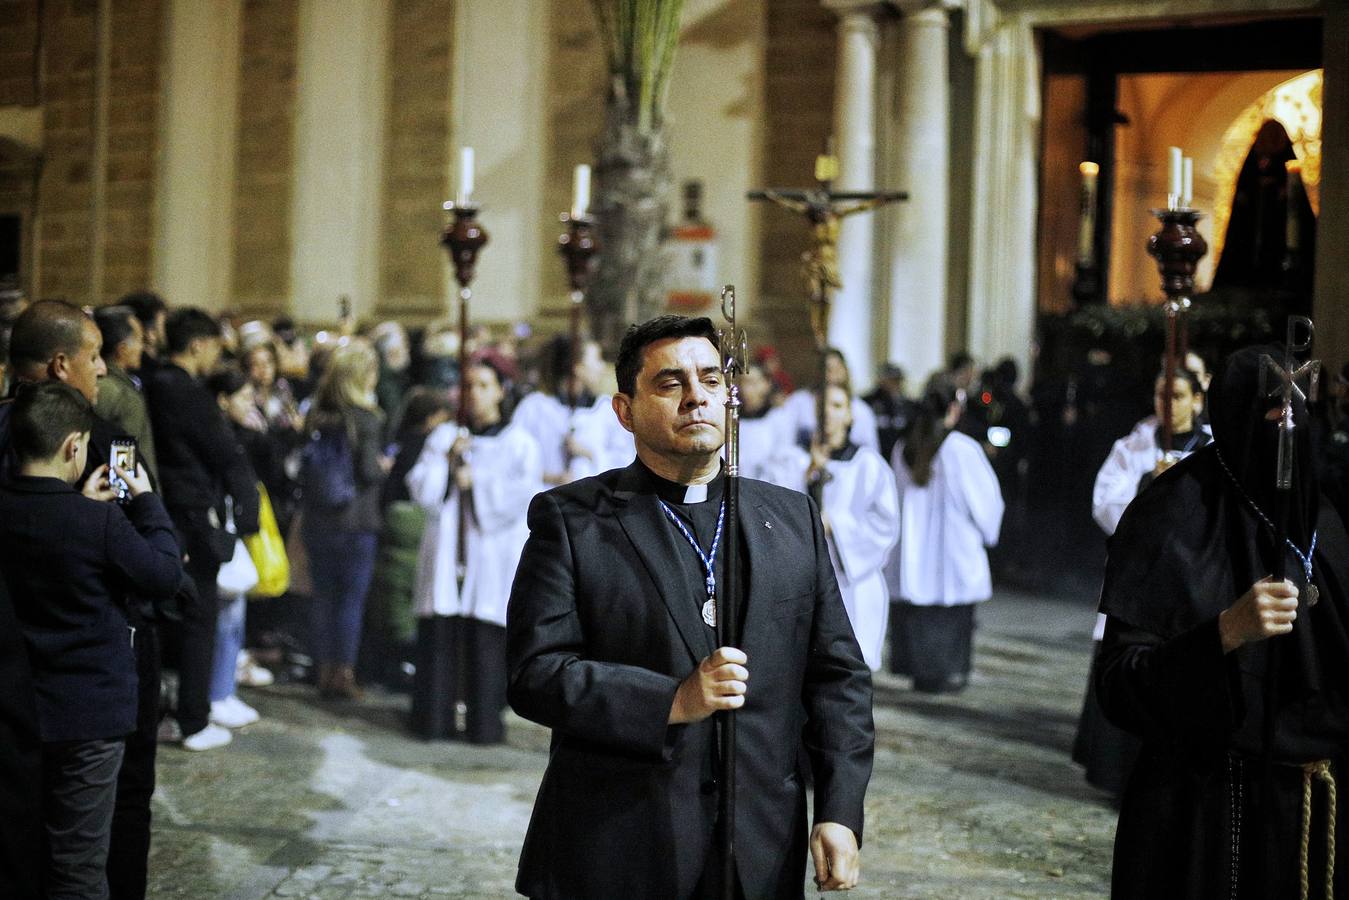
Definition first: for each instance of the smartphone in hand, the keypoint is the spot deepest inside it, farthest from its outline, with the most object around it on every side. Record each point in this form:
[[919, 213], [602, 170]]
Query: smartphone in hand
[[122, 457]]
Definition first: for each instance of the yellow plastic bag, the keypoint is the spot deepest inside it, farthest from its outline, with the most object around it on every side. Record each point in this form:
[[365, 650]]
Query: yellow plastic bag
[[268, 551]]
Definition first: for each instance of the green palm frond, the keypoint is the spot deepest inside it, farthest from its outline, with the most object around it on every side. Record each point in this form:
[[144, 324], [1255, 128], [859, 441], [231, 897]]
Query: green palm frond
[[640, 38]]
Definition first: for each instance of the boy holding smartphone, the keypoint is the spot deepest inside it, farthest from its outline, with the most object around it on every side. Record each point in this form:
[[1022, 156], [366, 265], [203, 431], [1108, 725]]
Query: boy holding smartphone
[[70, 562]]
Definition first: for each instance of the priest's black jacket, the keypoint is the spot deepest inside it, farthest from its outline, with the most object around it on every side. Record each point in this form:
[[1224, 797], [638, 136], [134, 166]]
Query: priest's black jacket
[[604, 624]]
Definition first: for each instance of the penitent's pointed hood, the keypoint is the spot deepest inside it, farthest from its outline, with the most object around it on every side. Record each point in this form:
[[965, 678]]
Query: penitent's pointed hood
[[1248, 441]]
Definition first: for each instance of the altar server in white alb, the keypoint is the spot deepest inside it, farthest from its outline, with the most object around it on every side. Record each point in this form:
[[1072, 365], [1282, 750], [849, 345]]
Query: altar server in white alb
[[766, 431], [462, 586], [800, 406], [951, 511], [580, 441], [860, 510]]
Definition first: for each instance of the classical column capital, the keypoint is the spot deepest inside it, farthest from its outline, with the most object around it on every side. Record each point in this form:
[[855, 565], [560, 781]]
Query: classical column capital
[[857, 10], [927, 11]]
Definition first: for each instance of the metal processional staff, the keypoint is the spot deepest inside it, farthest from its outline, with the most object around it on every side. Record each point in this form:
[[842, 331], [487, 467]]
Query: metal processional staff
[[733, 348]]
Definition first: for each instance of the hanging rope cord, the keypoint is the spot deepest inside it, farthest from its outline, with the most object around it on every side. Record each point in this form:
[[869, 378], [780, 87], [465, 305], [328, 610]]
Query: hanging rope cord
[[1311, 771]]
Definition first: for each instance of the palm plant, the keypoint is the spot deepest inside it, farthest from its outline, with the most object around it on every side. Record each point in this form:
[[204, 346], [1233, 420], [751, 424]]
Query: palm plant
[[633, 172]]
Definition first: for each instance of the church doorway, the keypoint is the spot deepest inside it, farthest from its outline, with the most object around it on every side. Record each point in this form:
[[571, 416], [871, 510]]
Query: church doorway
[[1117, 99]]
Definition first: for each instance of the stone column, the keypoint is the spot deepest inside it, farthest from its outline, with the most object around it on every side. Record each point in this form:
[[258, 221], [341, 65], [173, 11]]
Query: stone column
[[194, 226], [853, 313], [339, 144], [921, 153]]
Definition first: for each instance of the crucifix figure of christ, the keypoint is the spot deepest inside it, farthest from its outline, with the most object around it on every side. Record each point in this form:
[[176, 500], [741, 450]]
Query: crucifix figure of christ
[[824, 209]]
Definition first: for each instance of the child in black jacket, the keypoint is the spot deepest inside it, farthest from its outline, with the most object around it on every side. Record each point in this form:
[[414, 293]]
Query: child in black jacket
[[70, 561]]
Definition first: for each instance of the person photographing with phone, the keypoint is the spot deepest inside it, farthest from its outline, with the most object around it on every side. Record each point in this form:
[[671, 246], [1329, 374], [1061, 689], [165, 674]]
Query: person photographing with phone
[[72, 562]]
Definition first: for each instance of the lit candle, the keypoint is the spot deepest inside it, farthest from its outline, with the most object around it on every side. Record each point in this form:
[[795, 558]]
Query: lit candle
[[580, 191], [465, 195], [1186, 182], [1173, 177], [1291, 224], [1086, 234]]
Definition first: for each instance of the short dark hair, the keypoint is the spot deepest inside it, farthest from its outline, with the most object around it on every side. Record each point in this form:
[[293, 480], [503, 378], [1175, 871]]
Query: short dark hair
[[639, 337], [147, 305], [228, 380], [47, 328], [187, 325], [1189, 376], [959, 360], [115, 324], [44, 414]]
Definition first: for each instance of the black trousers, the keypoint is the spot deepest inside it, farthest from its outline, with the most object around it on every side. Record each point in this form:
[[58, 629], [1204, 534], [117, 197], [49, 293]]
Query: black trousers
[[189, 644], [129, 851], [79, 787], [460, 659]]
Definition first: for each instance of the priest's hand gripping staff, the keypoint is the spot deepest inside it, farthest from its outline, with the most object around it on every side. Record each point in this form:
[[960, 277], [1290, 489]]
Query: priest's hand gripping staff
[[733, 347]]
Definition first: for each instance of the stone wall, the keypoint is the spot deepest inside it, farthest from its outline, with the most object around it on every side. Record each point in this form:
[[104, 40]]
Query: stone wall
[[69, 238], [18, 52], [799, 107], [133, 89], [266, 152], [417, 154], [66, 188]]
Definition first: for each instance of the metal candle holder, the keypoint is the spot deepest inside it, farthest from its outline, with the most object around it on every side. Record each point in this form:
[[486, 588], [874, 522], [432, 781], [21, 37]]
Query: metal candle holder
[[1177, 247]]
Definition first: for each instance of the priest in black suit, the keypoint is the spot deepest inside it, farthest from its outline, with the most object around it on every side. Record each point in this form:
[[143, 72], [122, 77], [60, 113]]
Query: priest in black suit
[[610, 645]]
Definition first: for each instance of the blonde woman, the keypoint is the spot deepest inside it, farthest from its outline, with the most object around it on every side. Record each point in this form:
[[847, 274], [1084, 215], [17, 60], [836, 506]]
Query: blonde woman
[[342, 473]]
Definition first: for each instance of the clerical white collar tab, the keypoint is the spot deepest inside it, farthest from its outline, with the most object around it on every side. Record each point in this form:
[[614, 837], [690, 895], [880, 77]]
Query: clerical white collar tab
[[695, 493]]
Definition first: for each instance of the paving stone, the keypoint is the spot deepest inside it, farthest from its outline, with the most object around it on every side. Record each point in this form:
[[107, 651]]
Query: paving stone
[[973, 795]]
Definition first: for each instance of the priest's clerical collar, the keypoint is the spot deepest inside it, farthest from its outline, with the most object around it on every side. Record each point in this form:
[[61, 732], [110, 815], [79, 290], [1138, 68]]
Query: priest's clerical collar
[[674, 492]]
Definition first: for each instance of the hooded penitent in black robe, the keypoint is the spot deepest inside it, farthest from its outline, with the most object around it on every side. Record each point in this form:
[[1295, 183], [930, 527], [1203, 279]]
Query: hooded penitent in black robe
[[1198, 818]]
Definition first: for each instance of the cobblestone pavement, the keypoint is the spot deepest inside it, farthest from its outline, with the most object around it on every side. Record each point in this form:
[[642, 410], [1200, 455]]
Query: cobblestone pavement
[[973, 796]]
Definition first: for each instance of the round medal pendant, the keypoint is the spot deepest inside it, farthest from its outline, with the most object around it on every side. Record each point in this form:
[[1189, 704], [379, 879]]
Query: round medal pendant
[[1312, 595], [710, 612]]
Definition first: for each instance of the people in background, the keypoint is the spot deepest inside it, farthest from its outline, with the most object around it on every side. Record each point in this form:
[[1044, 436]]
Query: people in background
[[476, 488], [342, 477], [234, 393], [891, 405], [1105, 751], [859, 507], [950, 512], [801, 412], [200, 464], [121, 396]]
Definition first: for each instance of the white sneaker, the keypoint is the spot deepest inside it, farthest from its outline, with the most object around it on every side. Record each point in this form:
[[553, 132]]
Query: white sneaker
[[249, 674], [209, 738], [232, 713]]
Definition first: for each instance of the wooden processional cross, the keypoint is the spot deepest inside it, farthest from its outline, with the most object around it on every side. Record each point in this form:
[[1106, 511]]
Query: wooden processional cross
[[825, 209]]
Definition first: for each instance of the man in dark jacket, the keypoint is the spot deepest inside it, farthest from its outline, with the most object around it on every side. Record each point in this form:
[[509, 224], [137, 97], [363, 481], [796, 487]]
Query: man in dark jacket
[[200, 464], [609, 644], [71, 563]]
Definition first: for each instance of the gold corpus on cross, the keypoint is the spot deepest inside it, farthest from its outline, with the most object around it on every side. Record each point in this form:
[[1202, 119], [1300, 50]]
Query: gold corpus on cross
[[824, 209]]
